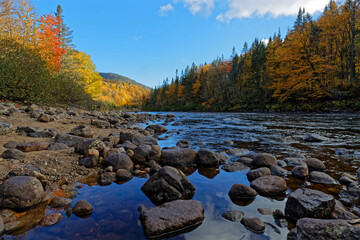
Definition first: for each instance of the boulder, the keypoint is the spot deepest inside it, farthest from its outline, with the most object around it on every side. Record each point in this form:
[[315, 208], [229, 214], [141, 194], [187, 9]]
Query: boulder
[[123, 175], [178, 157], [28, 171], [107, 178], [234, 167], [89, 162], [47, 133], [118, 161], [59, 202], [245, 160], [256, 173], [183, 144], [83, 131], [315, 138], [13, 154], [278, 171], [269, 185], [315, 164], [300, 171], [82, 208], [100, 123], [241, 192], [264, 160], [341, 212], [31, 147], [158, 129], [166, 185], [144, 140], [311, 228], [51, 219], [57, 147], [238, 152], [155, 153], [309, 203], [265, 211], [233, 215], [10, 145], [90, 144], [293, 162], [45, 118], [68, 139], [21, 192], [207, 158], [347, 179], [5, 128], [320, 177], [170, 217], [254, 224]]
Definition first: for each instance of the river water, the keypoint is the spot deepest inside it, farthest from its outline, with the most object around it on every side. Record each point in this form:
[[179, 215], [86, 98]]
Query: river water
[[116, 216]]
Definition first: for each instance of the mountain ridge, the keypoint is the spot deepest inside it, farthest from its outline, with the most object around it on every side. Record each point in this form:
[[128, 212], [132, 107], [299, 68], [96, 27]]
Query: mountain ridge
[[119, 78]]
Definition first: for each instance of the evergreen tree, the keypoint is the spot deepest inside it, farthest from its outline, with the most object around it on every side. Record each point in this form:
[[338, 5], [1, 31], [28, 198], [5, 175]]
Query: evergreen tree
[[65, 34]]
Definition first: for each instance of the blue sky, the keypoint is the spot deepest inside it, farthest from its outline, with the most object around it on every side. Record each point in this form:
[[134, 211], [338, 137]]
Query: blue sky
[[147, 40]]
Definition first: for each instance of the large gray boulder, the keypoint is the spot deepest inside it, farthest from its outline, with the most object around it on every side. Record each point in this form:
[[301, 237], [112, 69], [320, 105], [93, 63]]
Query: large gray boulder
[[241, 192], [208, 158], [178, 157], [170, 217], [269, 185], [315, 164], [166, 185], [309, 203], [320, 229], [5, 128], [21, 192], [264, 160], [256, 173], [320, 177], [118, 161]]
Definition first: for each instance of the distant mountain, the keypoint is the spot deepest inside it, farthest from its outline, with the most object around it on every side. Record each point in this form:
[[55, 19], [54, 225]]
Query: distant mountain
[[119, 78]]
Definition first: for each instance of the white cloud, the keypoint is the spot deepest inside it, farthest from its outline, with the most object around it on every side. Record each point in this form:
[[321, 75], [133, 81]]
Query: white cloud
[[197, 6], [164, 10], [265, 41], [274, 8]]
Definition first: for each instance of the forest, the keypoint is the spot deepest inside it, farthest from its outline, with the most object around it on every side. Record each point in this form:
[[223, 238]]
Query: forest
[[40, 64], [316, 66]]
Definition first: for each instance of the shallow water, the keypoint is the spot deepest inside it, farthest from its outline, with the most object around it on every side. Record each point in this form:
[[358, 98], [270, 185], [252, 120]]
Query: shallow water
[[116, 216]]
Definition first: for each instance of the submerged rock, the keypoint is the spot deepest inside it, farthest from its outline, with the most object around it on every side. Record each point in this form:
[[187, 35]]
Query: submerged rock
[[264, 160], [254, 224], [254, 174], [301, 171], [315, 138], [171, 217], [269, 185], [118, 161], [178, 157], [82, 208], [233, 215], [241, 192], [59, 202], [183, 144], [234, 167], [51, 220], [208, 158], [315, 164]]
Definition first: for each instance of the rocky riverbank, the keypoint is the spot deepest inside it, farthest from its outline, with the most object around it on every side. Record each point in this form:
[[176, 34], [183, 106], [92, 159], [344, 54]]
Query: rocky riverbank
[[44, 151]]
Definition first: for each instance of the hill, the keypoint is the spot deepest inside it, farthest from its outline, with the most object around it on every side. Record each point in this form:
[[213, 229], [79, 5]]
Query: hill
[[119, 78]]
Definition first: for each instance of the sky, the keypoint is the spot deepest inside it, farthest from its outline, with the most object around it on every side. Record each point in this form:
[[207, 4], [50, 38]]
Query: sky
[[147, 40]]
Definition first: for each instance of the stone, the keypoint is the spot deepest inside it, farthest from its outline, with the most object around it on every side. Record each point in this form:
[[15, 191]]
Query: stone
[[45, 118], [306, 202], [89, 162], [233, 215], [269, 185], [145, 140], [90, 144], [28, 171], [311, 228], [238, 152], [82, 208], [100, 123], [123, 175], [59, 202], [341, 212], [315, 138], [264, 160], [31, 147], [183, 144], [254, 224], [300, 171], [256, 173], [170, 217], [47, 133], [107, 178], [347, 179], [51, 219], [265, 211], [21, 192], [315, 164], [13, 154], [293, 162], [241, 192], [158, 129], [320, 177], [245, 160], [128, 145], [118, 161], [178, 157], [82, 131], [92, 152], [10, 145], [57, 147], [207, 158], [167, 184], [69, 140], [5, 128], [234, 167], [278, 214], [278, 171], [155, 153]]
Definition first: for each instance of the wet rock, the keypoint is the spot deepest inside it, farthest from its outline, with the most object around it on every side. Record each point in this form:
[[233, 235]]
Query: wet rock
[[155, 153], [31, 147], [314, 138], [59, 202], [69, 140], [20, 192], [123, 175], [254, 174], [278, 171], [158, 129], [351, 194], [233, 215], [13, 154], [234, 167], [239, 152], [228, 142], [90, 144], [241, 192], [171, 217], [178, 157], [254, 224], [183, 144], [310, 228], [57, 147], [89, 162], [82, 131], [5, 128], [166, 185], [269, 185], [82, 208], [300, 171], [107, 178], [145, 140], [306, 202], [245, 160], [10, 145], [347, 179], [128, 145], [281, 163], [320, 177], [315, 164], [278, 214], [207, 158], [118, 161], [264, 160], [141, 154], [297, 155], [51, 220], [265, 211], [293, 162], [340, 212]]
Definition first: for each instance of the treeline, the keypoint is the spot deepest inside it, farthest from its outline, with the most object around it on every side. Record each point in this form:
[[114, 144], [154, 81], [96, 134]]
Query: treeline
[[315, 66]]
